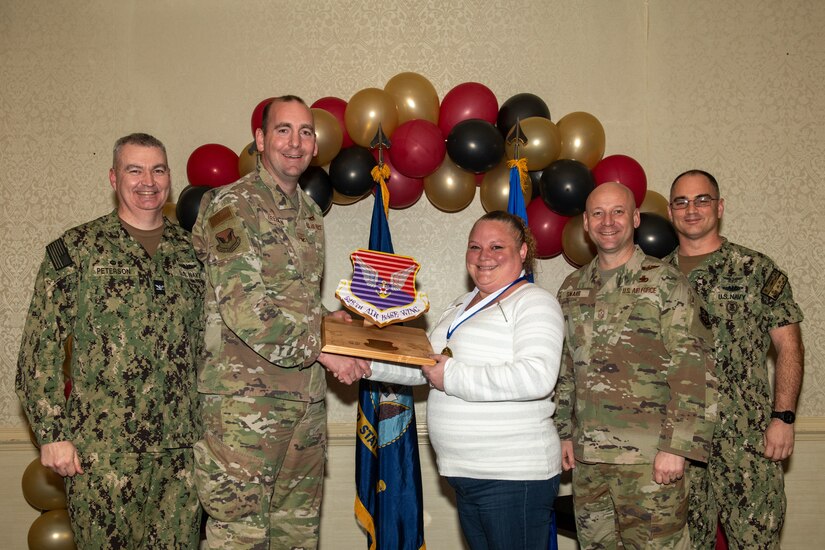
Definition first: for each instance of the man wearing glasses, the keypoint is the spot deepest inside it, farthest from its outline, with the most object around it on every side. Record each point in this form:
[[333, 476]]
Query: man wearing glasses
[[750, 306]]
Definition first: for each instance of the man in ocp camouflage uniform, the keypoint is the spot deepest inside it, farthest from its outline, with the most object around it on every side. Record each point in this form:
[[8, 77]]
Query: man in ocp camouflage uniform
[[750, 306], [260, 466], [128, 290], [636, 393]]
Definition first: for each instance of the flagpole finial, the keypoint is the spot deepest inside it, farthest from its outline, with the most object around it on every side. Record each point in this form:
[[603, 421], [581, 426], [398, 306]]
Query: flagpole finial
[[380, 142], [517, 139]]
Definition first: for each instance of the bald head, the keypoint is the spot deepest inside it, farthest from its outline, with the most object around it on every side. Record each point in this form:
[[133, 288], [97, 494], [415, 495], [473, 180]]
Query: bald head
[[614, 189]]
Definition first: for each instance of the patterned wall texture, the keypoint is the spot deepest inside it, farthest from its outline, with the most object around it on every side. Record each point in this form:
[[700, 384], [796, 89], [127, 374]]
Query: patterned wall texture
[[733, 87]]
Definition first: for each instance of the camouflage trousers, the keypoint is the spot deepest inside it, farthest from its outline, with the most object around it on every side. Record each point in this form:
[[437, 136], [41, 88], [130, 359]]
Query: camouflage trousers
[[135, 501], [259, 471], [620, 506], [745, 490]]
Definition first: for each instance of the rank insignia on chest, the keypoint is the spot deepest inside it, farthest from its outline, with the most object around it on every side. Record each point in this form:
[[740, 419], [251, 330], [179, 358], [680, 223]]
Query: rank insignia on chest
[[160, 288]]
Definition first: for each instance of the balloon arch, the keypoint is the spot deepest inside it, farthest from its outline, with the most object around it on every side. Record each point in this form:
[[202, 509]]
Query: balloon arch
[[447, 149]]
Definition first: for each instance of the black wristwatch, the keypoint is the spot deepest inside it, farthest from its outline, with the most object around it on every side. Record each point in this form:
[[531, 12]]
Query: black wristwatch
[[787, 417]]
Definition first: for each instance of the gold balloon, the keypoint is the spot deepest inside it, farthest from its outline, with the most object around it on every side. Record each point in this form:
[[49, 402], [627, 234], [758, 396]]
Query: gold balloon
[[43, 488], [582, 138], [343, 200], [654, 203], [52, 531], [495, 189], [328, 135], [543, 143], [415, 97], [365, 111], [575, 243], [450, 188], [248, 159]]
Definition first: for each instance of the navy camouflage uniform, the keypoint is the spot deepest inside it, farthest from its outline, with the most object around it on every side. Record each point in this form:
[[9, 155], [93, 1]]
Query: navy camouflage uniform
[[136, 329], [746, 297], [260, 465]]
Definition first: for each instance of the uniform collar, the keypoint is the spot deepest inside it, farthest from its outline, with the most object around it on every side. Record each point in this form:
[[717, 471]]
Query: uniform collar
[[591, 277], [717, 257]]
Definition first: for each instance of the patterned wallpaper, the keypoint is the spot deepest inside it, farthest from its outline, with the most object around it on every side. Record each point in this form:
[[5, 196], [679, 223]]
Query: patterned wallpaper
[[733, 87]]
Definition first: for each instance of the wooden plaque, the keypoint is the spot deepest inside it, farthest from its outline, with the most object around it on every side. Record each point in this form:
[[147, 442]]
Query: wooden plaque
[[392, 343]]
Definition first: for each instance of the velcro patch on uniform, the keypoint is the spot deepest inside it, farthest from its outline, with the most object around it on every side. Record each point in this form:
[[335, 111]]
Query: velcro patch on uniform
[[220, 216], [59, 254], [576, 293], [774, 285], [228, 241]]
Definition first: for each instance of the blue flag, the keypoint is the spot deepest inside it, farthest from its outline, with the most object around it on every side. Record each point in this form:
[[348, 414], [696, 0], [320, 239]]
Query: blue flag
[[515, 204], [388, 503]]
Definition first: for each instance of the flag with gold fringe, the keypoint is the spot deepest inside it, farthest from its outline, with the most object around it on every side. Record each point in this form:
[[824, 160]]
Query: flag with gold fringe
[[388, 503]]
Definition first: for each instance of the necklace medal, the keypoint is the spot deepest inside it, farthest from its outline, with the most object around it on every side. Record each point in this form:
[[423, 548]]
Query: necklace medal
[[465, 314]]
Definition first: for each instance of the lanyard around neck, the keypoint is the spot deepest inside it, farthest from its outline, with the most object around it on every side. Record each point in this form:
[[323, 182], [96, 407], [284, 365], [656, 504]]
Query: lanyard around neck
[[465, 314]]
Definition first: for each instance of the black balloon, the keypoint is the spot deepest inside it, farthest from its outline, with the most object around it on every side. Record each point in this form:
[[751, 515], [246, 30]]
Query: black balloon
[[655, 235], [519, 107], [475, 145], [535, 178], [189, 202], [351, 171], [565, 185], [316, 183]]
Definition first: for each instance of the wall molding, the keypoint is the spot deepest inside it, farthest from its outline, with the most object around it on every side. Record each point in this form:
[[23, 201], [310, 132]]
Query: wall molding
[[341, 434]]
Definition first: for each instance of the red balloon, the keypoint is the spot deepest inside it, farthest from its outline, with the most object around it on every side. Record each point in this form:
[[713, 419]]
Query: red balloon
[[404, 191], [258, 114], [466, 101], [547, 227], [624, 170], [336, 106], [212, 165], [418, 148]]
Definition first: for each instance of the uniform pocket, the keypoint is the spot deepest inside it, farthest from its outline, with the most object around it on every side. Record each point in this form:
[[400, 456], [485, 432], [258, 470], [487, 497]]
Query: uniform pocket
[[231, 484]]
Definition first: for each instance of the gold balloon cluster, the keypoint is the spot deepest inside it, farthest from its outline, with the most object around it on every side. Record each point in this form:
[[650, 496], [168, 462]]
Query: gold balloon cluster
[[409, 96], [44, 490]]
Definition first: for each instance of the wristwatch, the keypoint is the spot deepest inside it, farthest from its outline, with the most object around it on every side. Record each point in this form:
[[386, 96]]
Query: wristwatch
[[787, 417]]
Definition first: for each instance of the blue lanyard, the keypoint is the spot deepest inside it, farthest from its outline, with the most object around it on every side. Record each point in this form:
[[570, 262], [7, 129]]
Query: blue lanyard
[[464, 315]]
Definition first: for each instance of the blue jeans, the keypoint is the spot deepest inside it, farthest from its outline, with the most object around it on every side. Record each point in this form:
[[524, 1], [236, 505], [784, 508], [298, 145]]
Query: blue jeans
[[505, 515]]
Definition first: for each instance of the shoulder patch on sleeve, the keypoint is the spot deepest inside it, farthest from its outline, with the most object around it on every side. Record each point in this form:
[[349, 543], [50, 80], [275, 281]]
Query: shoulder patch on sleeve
[[59, 254], [774, 284], [228, 241], [220, 216]]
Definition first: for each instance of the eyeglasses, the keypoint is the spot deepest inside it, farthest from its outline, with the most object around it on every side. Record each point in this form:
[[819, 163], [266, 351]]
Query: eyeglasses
[[700, 201]]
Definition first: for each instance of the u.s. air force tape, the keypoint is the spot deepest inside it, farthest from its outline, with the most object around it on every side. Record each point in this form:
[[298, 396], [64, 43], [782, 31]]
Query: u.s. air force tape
[[58, 254]]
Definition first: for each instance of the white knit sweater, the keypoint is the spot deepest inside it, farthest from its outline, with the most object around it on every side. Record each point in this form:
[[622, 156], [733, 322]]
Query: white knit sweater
[[494, 419]]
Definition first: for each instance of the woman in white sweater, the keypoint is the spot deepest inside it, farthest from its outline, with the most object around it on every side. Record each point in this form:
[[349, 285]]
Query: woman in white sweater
[[489, 410]]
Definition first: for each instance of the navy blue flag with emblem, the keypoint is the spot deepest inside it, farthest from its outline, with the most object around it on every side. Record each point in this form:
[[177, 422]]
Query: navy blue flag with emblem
[[388, 501]]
